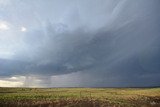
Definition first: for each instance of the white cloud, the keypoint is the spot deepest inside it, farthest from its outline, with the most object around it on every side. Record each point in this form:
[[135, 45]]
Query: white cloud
[[4, 25], [23, 29]]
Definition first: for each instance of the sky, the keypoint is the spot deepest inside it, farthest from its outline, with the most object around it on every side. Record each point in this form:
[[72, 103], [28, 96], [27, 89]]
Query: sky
[[79, 43]]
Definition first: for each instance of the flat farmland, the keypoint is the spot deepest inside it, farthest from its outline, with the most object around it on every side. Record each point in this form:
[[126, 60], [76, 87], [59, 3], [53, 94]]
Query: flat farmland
[[79, 97]]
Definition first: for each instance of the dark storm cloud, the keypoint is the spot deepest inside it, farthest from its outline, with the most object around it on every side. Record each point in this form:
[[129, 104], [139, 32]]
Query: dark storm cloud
[[123, 50]]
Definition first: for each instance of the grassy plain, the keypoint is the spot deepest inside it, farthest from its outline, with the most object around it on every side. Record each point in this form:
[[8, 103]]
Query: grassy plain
[[79, 97]]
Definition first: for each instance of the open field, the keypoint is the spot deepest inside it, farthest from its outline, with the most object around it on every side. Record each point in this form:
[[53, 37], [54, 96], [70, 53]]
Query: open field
[[80, 97]]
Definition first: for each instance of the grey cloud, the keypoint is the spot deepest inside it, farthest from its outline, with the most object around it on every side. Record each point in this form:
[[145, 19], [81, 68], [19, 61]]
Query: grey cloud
[[116, 46]]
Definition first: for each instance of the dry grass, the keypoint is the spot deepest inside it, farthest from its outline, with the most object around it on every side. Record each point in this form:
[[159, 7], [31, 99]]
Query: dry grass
[[80, 97]]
